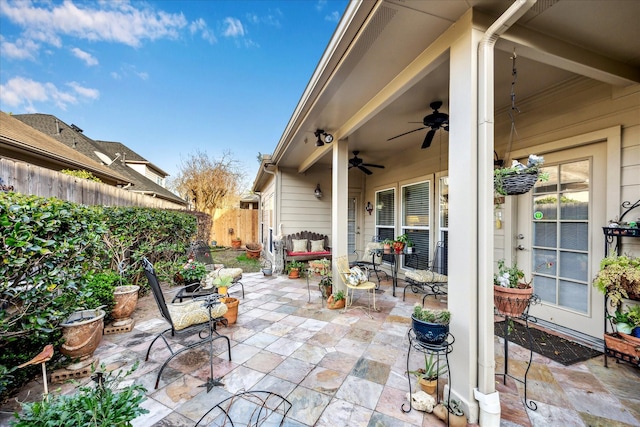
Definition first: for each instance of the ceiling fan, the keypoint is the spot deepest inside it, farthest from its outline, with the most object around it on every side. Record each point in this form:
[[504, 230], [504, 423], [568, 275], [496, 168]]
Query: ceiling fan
[[357, 162], [434, 121]]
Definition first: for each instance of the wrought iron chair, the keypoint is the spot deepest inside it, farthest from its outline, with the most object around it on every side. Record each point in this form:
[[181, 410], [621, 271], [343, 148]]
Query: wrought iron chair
[[342, 264], [201, 252], [248, 408], [432, 281], [371, 259], [198, 315]]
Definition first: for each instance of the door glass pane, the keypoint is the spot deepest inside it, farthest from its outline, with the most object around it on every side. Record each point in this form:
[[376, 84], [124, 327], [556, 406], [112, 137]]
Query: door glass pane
[[574, 176], [551, 185], [444, 202], [574, 295], [574, 206], [574, 265], [545, 207], [351, 225], [545, 288], [574, 235], [544, 234], [544, 262]]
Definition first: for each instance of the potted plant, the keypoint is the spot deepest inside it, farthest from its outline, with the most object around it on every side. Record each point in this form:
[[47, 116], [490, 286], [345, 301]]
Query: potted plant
[[410, 246], [253, 250], [386, 245], [222, 283], [109, 402], [619, 277], [293, 269], [511, 292], [430, 326], [192, 273], [518, 179], [428, 376], [633, 316], [236, 242], [400, 242], [336, 300], [326, 286], [622, 322]]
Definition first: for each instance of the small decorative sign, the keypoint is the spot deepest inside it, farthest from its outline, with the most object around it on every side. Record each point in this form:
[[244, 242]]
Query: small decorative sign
[[538, 215]]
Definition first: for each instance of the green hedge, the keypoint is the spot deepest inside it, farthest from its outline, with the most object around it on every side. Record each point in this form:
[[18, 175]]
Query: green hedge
[[51, 251]]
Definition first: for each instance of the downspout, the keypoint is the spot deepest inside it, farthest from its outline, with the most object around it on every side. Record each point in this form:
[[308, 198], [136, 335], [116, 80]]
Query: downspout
[[486, 394]]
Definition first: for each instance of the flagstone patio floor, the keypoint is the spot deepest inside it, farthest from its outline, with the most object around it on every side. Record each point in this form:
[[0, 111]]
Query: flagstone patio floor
[[342, 369]]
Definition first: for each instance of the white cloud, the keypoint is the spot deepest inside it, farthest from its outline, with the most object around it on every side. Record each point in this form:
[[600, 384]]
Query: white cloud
[[88, 59], [200, 26], [320, 5], [111, 21], [233, 27], [21, 49], [84, 91], [272, 18], [21, 92], [333, 16], [127, 70]]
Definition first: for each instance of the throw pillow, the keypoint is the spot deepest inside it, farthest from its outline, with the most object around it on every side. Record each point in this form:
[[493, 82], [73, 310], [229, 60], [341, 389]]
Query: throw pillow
[[356, 276], [299, 245], [317, 245]]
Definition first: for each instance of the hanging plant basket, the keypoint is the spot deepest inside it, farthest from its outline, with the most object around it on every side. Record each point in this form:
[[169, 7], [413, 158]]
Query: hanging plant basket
[[515, 182]]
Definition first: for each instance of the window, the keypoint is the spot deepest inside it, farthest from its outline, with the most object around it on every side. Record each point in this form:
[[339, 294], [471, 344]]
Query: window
[[415, 222], [443, 214], [385, 216]]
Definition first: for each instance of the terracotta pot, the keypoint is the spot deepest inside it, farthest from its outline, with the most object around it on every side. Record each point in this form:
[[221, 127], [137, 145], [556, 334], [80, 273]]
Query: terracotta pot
[[511, 301], [222, 290], [82, 332], [386, 248], [428, 386], [235, 244], [398, 247], [326, 291], [232, 309], [126, 298], [333, 304], [294, 273]]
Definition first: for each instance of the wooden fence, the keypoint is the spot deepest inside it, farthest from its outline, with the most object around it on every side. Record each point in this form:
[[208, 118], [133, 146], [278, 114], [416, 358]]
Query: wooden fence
[[243, 222], [30, 179]]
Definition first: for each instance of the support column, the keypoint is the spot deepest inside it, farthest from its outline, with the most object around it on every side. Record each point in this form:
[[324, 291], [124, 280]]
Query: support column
[[463, 216], [339, 209]]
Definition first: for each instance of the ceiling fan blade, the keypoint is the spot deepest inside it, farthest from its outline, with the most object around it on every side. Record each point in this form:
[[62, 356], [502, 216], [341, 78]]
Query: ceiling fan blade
[[365, 170], [373, 166], [406, 133], [428, 138]]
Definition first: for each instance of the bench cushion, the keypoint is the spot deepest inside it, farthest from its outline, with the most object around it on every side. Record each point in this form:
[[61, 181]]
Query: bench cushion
[[425, 276]]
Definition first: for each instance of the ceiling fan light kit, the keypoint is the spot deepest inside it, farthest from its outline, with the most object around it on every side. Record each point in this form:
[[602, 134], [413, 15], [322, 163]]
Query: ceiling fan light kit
[[434, 121]]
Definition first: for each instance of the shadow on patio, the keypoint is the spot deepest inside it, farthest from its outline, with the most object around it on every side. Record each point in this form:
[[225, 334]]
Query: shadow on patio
[[343, 369]]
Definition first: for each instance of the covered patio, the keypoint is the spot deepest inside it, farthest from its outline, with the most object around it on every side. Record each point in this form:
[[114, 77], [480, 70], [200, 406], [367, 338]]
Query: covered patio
[[344, 368]]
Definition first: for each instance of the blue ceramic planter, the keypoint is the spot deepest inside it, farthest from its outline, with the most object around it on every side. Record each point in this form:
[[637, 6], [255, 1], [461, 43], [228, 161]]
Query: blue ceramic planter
[[430, 333], [636, 332]]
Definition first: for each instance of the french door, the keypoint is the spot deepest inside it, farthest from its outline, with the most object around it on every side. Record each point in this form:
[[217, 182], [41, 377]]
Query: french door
[[558, 238]]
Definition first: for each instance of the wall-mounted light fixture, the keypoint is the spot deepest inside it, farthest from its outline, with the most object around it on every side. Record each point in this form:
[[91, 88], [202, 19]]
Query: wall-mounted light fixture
[[321, 134], [369, 208], [318, 192]]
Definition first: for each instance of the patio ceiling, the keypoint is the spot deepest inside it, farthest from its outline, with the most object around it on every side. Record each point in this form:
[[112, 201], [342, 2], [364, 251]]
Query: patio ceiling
[[602, 34]]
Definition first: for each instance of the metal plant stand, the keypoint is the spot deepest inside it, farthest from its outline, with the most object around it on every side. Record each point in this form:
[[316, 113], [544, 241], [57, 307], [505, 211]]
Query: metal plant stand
[[434, 349], [534, 299]]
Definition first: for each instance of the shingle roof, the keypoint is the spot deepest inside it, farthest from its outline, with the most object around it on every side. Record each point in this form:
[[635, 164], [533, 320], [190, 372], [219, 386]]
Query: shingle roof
[[61, 131], [26, 139], [112, 148]]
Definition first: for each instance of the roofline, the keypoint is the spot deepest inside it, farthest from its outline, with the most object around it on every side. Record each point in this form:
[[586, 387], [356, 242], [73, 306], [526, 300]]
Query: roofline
[[356, 14]]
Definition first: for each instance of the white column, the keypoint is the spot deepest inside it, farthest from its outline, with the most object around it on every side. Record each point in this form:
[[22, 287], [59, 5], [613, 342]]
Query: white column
[[463, 220], [339, 194]]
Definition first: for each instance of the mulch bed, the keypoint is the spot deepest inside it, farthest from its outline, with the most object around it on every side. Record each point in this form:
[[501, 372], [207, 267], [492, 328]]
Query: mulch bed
[[552, 346]]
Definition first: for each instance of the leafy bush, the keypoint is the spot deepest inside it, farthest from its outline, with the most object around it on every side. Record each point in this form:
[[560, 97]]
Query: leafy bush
[[102, 404], [81, 174]]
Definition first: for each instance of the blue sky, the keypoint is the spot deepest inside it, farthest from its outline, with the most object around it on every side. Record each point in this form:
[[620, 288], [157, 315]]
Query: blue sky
[[167, 77]]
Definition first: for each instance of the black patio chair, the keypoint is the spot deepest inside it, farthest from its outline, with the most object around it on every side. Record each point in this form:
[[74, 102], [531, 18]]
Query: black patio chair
[[198, 315], [201, 252], [248, 408], [433, 280]]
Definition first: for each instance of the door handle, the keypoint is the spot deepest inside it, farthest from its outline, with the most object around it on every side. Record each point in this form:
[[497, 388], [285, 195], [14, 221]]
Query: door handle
[[520, 248]]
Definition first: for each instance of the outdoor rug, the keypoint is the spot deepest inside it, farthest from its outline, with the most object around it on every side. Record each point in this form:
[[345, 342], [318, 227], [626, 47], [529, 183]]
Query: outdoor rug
[[552, 346]]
